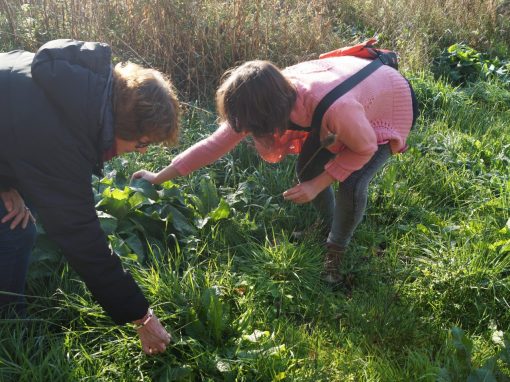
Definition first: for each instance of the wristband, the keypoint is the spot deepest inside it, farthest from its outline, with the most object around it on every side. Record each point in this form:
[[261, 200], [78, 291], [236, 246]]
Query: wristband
[[148, 316]]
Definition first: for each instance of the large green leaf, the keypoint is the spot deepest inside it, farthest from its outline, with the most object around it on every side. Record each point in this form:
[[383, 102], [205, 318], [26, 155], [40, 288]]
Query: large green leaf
[[180, 222], [136, 246], [115, 202], [145, 188], [463, 345], [108, 222], [221, 212], [138, 200], [482, 375], [45, 255], [177, 373], [150, 224], [504, 353], [170, 191], [208, 196], [121, 248]]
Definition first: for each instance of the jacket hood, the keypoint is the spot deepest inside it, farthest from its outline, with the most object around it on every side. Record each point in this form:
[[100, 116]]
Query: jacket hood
[[77, 77]]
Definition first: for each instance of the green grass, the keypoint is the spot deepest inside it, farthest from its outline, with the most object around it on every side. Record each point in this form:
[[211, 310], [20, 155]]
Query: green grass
[[244, 303], [428, 269]]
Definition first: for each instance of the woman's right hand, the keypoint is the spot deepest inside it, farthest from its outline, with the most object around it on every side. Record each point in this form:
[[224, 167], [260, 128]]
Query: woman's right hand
[[18, 212], [144, 174], [153, 335]]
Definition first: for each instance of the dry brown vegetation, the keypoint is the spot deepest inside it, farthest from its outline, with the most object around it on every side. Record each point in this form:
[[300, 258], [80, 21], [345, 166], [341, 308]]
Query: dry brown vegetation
[[195, 41]]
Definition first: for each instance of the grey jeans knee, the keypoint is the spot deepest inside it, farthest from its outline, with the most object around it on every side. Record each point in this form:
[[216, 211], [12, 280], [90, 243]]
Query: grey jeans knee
[[345, 210]]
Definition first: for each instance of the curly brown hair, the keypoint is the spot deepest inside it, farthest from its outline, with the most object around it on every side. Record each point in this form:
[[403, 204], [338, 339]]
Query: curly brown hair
[[256, 98], [145, 104]]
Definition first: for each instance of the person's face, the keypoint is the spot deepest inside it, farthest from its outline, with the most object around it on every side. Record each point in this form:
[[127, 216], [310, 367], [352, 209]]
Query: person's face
[[139, 145]]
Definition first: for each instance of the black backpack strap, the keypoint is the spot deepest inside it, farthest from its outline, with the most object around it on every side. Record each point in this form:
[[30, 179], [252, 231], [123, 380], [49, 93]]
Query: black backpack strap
[[343, 88]]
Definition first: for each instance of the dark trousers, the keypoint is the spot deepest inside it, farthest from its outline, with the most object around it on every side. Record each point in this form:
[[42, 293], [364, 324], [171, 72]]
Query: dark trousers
[[15, 248]]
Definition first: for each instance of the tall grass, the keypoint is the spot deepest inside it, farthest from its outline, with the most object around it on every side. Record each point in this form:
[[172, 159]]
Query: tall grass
[[196, 41]]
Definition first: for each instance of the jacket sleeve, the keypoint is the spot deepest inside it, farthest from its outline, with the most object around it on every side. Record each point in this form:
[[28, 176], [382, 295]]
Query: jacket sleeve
[[4, 185], [353, 130], [61, 192]]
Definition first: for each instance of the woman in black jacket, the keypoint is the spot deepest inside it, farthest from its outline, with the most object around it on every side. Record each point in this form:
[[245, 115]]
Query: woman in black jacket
[[63, 111]]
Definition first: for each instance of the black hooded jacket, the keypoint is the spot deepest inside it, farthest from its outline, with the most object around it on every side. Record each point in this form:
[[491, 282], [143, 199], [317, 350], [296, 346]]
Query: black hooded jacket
[[55, 121]]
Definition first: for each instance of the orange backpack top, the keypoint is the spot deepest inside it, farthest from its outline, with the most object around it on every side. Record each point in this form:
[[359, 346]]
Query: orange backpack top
[[366, 50]]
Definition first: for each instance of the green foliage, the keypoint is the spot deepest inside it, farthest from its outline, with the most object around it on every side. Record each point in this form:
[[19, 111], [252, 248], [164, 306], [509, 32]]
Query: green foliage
[[208, 321], [461, 367], [212, 252], [462, 64], [137, 217]]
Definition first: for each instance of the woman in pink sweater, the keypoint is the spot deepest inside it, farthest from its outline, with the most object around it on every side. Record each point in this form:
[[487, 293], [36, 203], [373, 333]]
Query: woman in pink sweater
[[358, 133]]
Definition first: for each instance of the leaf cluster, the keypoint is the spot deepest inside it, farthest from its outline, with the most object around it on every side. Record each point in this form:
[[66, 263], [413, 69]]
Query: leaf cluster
[[461, 64]]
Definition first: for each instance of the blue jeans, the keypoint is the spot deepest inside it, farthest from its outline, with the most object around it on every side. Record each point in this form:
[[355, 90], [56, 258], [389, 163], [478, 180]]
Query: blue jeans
[[15, 248]]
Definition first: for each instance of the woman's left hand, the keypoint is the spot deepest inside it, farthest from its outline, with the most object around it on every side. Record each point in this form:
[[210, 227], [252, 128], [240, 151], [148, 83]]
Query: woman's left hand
[[302, 193]]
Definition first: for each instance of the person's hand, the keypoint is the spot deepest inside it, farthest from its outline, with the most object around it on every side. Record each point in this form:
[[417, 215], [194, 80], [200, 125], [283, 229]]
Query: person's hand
[[302, 193], [307, 191], [18, 212], [144, 174], [153, 336]]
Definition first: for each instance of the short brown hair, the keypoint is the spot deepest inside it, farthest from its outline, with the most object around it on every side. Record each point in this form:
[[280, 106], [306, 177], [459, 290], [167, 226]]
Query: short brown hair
[[145, 104], [256, 98]]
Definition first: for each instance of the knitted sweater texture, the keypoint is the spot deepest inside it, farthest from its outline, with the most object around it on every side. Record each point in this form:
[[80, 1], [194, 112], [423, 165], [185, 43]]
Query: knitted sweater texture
[[376, 111]]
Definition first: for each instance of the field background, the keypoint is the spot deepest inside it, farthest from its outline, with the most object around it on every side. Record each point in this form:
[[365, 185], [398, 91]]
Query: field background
[[427, 297]]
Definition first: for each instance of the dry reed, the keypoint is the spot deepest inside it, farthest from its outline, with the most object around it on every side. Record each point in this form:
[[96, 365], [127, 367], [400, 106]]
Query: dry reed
[[196, 41]]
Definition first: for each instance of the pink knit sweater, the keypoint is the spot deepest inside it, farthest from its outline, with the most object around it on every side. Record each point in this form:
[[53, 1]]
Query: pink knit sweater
[[375, 112]]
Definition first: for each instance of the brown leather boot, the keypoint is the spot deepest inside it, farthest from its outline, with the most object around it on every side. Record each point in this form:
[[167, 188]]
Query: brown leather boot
[[332, 260]]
